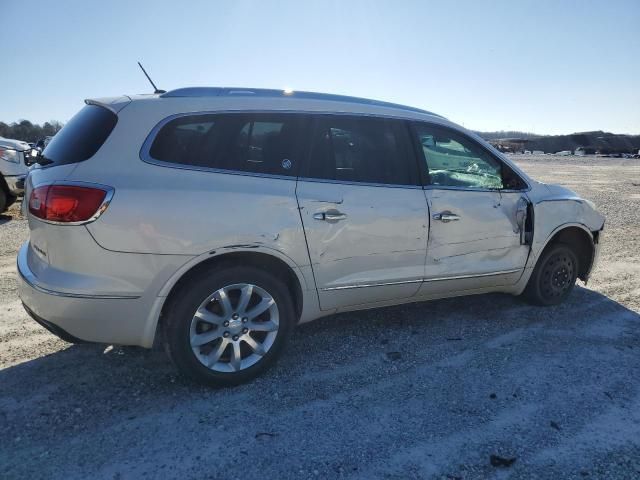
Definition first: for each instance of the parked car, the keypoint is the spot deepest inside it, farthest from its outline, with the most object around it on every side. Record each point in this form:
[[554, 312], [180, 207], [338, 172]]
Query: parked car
[[14, 159], [215, 220]]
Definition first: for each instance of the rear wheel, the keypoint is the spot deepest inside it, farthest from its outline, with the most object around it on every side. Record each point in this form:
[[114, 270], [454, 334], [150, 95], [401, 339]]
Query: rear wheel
[[226, 326], [554, 276]]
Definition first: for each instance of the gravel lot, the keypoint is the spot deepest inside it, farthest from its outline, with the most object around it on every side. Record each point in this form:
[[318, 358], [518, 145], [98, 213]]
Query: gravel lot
[[557, 389]]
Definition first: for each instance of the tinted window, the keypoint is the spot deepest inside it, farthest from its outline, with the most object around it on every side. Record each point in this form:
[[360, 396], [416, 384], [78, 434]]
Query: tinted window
[[82, 136], [362, 149], [457, 161], [259, 143]]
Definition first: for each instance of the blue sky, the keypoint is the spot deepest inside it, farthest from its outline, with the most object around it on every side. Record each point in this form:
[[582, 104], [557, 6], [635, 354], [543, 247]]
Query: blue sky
[[543, 66]]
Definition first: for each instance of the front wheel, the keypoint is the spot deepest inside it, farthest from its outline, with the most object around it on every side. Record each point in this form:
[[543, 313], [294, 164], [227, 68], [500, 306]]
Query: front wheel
[[553, 277], [4, 200], [226, 326]]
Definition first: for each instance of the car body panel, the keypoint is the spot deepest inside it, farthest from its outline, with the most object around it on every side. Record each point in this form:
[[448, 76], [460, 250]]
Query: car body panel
[[482, 248], [109, 280], [376, 252]]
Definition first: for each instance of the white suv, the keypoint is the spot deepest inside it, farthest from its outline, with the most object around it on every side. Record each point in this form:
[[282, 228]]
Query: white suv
[[15, 157], [214, 220]]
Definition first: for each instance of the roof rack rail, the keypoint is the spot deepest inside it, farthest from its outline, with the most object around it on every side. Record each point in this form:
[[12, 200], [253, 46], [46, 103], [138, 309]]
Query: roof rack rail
[[273, 93]]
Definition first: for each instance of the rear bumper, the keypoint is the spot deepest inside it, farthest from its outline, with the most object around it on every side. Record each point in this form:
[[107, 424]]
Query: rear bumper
[[53, 328], [82, 317]]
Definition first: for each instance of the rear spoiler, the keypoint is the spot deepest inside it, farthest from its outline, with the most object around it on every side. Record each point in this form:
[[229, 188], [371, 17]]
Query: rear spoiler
[[114, 104]]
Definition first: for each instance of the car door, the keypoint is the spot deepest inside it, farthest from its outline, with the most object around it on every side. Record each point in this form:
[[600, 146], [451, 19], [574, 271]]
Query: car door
[[363, 210], [478, 214]]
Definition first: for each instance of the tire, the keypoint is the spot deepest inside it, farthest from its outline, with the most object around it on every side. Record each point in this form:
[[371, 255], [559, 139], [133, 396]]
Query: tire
[[4, 200], [553, 277], [206, 346]]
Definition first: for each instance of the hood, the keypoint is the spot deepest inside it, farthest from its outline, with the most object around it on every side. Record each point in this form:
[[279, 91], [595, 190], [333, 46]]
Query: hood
[[560, 192], [14, 144]]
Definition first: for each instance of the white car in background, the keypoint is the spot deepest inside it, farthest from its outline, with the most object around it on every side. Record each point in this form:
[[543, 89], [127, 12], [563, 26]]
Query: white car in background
[[15, 157], [214, 220]]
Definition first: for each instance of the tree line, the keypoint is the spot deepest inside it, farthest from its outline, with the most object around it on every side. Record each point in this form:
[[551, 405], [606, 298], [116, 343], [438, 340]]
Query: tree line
[[29, 132]]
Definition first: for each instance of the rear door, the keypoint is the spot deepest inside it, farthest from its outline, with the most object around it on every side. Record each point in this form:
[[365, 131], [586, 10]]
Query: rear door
[[478, 208], [364, 213]]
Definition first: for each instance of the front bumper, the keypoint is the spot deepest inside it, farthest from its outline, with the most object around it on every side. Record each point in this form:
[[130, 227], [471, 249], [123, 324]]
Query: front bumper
[[97, 319], [15, 184]]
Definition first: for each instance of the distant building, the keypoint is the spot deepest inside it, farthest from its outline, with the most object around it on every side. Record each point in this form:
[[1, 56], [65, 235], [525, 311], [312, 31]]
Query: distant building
[[537, 152]]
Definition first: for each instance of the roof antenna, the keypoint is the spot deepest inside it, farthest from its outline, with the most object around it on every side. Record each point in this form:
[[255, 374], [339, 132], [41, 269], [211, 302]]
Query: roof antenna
[[151, 81]]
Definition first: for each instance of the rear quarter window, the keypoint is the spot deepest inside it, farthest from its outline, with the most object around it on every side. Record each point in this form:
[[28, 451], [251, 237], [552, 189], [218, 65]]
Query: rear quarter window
[[263, 143], [82, 136]]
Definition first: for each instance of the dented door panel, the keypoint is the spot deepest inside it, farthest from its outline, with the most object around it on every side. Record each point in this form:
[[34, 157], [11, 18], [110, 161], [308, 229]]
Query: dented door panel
[[366, 243], [481, 247]]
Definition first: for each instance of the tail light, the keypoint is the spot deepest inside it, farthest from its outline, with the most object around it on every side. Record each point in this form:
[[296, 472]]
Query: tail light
[[69, 203]]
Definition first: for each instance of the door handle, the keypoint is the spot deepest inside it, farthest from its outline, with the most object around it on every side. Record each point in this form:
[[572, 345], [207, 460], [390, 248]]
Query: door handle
[[445, 217], [331, 216]]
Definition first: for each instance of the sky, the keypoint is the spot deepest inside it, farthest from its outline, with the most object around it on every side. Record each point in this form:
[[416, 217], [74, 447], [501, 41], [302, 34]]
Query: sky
[[548, 67]]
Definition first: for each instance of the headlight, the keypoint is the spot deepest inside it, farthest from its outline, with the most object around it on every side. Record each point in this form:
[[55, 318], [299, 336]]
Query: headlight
[[9, 155]]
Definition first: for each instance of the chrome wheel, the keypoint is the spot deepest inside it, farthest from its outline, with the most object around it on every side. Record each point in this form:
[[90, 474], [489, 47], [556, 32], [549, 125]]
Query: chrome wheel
[[234, 327]]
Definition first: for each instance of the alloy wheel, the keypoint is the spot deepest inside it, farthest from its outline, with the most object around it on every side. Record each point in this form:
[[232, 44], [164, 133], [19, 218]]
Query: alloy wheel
[[234, 327]]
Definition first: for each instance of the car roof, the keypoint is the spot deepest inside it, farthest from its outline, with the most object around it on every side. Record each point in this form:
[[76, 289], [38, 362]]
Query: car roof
[[273, 93]]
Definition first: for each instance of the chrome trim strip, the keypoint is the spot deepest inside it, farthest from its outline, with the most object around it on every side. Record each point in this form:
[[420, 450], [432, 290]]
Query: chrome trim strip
[[473, 189], [30, 279], [457, 277], [150, 160], [363, 184], [561, 199], [345, 287], [474, 275]]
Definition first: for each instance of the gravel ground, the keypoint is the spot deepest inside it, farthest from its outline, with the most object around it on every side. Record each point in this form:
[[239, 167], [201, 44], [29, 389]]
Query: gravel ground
[[430, 390]]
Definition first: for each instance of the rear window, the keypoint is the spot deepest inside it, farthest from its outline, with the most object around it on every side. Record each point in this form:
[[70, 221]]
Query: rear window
[[82, 136], [258, 143]]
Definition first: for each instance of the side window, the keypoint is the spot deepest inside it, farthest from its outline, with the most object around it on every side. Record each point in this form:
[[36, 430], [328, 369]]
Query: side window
[[362, 149], [456, 161], [258, 143]]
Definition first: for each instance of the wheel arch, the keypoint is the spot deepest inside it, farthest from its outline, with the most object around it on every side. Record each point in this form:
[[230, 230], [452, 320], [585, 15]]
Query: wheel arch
[[270, 261], [579, 237]]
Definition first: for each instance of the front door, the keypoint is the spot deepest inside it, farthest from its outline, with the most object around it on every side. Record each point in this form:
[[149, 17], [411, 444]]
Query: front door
[[477, 210], [365, 216]]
